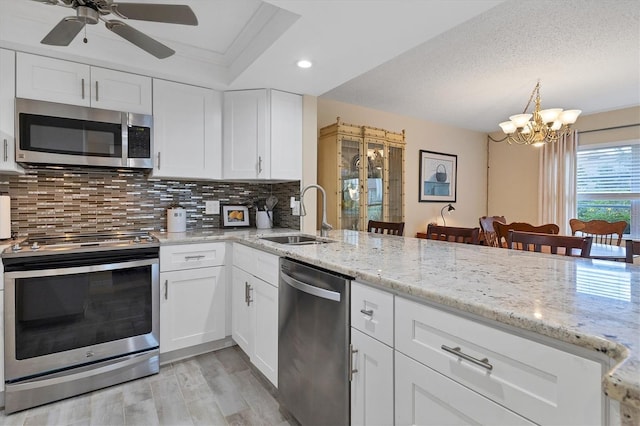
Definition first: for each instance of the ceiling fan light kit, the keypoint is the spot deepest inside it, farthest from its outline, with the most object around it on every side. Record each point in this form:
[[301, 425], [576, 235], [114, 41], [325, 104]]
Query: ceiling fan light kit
[[92, 11], [541, 127]]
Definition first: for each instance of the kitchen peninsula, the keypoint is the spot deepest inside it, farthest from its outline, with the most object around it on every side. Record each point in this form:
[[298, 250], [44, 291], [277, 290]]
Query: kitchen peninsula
[[589, 304]]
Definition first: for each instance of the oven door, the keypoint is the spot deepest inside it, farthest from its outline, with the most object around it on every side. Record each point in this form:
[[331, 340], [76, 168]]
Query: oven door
[[65, 317]]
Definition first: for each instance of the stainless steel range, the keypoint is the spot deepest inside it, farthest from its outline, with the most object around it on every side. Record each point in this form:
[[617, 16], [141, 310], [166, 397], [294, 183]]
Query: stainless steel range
[[81, 313]]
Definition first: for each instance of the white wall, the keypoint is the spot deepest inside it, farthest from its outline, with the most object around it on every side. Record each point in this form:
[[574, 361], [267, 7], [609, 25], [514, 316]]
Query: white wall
[[469, 146]]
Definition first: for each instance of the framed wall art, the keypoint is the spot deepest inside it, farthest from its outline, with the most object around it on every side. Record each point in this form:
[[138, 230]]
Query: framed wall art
[[438, 177], [235, 216]]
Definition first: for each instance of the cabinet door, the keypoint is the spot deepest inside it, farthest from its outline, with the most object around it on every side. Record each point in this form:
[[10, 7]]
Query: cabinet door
[[52, 80], [424, 397], [192, 304], [286, 135], [1, 339], [120, 91], [265, 345], [372, 384], [244, 130], [7, 111], [187, 131], [241, 311]]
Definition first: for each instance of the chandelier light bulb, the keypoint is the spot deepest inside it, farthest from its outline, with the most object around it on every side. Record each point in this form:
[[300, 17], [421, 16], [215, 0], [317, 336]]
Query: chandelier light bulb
[[550, 115], [570, 116], [508, 127], [520, 120]]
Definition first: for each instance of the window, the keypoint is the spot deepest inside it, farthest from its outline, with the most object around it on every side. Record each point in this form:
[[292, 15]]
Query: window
[[608, 183]]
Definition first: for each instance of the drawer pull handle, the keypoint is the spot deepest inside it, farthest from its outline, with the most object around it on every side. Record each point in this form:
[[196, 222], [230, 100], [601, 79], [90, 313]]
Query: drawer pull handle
[[351, 369], [166, 289], [368, 313], [484, 363], [198, 257]]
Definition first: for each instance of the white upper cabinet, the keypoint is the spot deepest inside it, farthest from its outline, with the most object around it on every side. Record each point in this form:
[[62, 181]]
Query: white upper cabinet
[[262, 135], [187, 131], [7, 112], [65, 82]]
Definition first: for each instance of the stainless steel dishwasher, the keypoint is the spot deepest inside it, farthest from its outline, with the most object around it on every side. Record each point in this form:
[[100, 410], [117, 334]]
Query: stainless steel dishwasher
[[313, 345]]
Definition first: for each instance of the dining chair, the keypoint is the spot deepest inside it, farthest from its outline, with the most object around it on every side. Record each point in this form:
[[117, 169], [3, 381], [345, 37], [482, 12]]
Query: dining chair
[[601, 230], [391, 228], [632, 249], [488, 231], [534, 241], [453, 234], [502, 230]]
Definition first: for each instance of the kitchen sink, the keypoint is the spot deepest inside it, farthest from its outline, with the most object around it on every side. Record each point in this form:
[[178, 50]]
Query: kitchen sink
[[296, 240]]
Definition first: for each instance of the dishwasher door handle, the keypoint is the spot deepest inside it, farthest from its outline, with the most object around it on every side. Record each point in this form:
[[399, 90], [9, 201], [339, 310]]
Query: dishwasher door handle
[[310, 289]]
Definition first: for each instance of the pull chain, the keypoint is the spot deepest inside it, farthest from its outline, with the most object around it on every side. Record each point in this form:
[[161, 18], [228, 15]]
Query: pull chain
[[85, 35]]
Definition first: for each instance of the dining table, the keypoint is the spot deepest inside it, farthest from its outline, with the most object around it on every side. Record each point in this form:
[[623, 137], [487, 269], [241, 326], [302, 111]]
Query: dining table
[[608, 252]]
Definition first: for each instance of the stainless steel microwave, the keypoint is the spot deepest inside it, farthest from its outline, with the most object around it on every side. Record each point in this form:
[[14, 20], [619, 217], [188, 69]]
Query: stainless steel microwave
[[52, 133]]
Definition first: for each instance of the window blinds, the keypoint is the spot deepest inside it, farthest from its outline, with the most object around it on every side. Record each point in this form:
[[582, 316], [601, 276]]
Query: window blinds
[[610, 173]]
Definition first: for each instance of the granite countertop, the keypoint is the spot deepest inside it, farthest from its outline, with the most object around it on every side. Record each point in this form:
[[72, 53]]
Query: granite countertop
[[593, 304]]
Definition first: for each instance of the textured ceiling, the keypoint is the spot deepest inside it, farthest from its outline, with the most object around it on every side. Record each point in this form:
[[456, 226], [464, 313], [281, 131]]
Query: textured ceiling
[[586, 54]]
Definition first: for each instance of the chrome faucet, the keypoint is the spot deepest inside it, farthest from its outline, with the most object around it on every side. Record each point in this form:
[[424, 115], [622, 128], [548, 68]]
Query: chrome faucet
[[325, 227]]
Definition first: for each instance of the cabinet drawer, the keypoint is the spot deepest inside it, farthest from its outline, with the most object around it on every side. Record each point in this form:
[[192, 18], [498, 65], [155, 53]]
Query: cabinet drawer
[[372, 312], [244, 258], [188, 256], [258, 263], [541, 383], [428, 398], [267, 267]]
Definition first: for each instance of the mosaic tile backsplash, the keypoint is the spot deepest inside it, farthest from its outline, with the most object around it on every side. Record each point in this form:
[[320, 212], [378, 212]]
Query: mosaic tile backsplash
[[83, 200]]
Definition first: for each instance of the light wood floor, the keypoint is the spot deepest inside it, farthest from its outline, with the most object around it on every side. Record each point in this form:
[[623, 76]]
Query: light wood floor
[[218, 388]]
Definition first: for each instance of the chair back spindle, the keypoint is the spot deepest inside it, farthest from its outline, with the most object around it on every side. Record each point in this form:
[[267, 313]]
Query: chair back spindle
[[453, 234], [533, 241], [502, 230], [603, 232], [391, 228]]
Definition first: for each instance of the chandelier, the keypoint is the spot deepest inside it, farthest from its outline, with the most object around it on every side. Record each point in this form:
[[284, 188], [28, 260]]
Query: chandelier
[[541, 127]]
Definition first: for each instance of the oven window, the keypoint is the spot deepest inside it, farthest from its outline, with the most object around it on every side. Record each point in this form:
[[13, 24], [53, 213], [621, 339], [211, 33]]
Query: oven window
[[59, 313], [70, 136]]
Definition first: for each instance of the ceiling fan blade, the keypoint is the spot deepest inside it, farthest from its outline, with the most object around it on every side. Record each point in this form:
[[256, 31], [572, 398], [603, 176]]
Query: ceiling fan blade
[[168, 13], [63, 33], [141, 40]]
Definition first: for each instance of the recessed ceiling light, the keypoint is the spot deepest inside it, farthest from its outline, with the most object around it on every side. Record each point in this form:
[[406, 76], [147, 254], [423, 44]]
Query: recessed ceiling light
[[303, 63]]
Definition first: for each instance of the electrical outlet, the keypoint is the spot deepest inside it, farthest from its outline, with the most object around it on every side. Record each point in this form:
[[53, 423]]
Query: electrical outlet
[[212, 207], [295, 209]]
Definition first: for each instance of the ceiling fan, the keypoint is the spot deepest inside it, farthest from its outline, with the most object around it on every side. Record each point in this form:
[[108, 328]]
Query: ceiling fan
[[92, 11]]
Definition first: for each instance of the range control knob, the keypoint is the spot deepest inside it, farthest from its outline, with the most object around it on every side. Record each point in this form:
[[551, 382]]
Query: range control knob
[[35, 246], [136, 239], [16, 247]]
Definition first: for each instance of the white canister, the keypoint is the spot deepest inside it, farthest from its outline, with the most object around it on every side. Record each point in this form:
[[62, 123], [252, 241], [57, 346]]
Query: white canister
[[264, 219], [176, 219]]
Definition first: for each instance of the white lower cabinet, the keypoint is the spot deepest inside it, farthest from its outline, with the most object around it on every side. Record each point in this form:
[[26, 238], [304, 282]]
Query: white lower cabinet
[[192, 295], [255, 308], [372, 381], [1, 338], [538, 382], [416, 364], [424, 397], [192, 307], [265, 337], [241, 311]]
